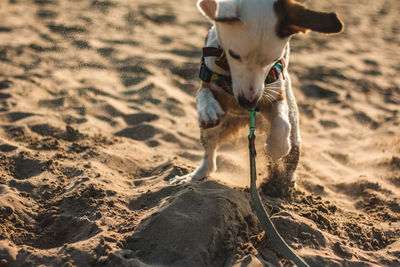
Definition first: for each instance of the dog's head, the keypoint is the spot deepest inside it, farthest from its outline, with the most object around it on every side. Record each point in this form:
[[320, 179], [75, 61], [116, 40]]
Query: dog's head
[[254, 34]]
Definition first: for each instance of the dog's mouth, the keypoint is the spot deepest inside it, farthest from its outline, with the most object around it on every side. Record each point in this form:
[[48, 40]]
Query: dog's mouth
[[246, 103]]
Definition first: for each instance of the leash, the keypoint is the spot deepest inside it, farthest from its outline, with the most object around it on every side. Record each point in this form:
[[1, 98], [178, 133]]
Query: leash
[[259, 208]]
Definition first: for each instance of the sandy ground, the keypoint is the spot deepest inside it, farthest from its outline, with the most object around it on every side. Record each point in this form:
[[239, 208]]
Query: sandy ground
[[97, 112]]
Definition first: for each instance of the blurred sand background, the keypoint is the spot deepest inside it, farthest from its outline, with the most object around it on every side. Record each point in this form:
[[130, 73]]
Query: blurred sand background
[[97, 112]]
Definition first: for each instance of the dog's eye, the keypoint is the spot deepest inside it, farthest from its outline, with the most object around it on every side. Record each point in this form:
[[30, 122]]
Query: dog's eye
[[234, 55]]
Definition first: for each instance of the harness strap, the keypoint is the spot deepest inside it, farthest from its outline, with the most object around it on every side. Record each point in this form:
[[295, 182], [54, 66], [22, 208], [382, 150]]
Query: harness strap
[[223, 81], [221, 62], [212, 51]]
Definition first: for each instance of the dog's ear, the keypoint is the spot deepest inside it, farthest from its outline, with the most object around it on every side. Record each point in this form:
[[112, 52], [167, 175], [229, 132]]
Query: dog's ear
[[222, 10], [294, 17]]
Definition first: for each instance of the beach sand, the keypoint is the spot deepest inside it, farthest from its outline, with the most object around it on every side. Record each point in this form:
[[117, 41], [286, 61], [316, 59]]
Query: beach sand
[[97, 112]]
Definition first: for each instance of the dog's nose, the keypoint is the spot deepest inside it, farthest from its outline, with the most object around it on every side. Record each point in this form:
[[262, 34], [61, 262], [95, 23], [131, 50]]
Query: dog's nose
[[247, 104]]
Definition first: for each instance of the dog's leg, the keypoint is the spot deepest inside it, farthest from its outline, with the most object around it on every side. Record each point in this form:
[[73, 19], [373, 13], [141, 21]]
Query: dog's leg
[[278, 147], [209, 114], [209, 110], [292, 159], [278, 142], [209, 140]]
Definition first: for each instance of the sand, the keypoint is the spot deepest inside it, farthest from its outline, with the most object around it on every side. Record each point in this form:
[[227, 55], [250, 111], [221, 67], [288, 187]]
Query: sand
[[97, 113]]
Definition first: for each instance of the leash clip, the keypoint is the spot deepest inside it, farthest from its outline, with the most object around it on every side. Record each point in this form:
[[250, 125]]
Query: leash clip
[[252, 148]]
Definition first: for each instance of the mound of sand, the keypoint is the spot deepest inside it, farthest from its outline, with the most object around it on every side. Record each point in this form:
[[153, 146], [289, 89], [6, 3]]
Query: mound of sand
[[97, 113]]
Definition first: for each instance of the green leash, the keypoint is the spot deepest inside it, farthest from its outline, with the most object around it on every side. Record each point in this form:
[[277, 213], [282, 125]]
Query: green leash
[[258, 206]]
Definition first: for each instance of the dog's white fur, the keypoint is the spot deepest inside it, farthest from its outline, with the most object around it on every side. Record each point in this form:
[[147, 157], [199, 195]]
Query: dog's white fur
[[248, 29], [208, 108]]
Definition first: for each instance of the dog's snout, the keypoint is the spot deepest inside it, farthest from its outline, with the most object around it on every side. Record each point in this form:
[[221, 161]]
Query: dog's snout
[[247, 104]]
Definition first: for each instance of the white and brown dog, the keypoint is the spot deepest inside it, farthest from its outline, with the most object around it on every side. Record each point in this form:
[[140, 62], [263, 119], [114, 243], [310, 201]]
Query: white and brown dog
[[252, 37]]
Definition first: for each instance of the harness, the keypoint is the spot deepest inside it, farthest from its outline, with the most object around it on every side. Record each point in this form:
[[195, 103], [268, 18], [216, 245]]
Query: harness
[[225, 81]]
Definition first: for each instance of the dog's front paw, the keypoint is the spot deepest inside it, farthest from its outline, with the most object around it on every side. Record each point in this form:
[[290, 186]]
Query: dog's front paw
[[210, 115], [209, 110]]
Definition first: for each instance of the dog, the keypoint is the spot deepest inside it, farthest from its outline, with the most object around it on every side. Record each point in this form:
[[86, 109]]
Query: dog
[[245, 66]]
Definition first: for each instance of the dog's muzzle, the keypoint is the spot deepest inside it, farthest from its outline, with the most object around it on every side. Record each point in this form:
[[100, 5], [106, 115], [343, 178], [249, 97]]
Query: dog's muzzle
[[247, 104]]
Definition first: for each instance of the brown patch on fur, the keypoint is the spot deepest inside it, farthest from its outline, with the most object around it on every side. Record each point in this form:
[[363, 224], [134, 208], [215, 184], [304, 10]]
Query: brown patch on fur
[[204, 85], [294, 17], [283, 95], [230, 128], [226, 101]]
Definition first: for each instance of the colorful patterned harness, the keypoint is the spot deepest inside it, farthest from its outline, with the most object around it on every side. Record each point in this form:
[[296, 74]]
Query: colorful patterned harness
[[225, 81]]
